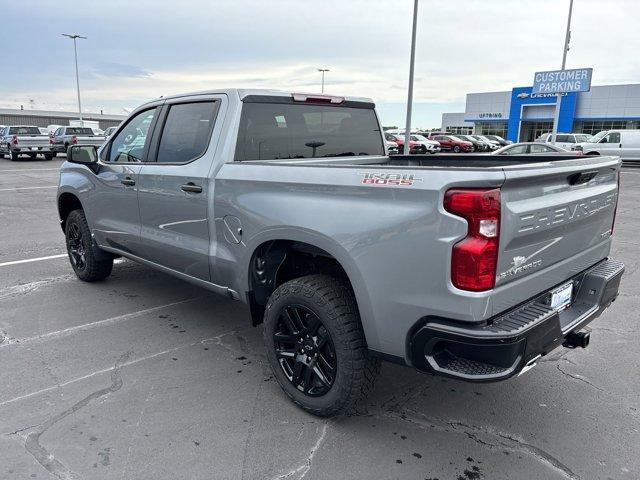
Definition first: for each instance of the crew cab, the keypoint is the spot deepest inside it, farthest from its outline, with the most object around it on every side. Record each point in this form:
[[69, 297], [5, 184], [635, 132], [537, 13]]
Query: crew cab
[[564, 140], [63, 137], [467, 266], [24, 140]]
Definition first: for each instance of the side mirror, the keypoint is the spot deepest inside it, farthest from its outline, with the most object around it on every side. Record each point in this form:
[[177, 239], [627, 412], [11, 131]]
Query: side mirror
[[84, 154]]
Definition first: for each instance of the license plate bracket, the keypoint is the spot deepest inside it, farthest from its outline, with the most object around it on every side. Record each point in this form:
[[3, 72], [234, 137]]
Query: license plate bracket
[[560, 298]]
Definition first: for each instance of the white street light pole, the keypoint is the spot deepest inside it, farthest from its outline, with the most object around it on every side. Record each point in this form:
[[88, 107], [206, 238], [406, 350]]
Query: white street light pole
[[75, 53], [567, 40], [322, 70], [407, 133]]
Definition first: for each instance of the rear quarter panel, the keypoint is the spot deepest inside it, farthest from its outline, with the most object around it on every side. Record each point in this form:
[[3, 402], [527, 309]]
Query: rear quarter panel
[[394, 242]]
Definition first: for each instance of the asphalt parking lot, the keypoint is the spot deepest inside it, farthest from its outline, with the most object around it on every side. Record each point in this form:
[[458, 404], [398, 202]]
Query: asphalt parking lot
[[144, 376]]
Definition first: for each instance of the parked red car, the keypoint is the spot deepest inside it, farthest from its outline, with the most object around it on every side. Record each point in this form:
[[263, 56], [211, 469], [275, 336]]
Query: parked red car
[[453, 143], [415, 147]]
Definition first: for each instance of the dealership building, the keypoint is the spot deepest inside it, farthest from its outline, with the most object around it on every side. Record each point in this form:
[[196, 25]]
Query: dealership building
[[520, 115]]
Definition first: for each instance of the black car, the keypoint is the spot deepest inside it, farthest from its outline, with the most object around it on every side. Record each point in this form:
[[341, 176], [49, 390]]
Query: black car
[[478, 146]]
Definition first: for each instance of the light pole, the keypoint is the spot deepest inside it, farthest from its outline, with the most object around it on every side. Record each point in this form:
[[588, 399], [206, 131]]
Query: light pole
[[407, 132], [75, 53], [567, 39], [322, 70]]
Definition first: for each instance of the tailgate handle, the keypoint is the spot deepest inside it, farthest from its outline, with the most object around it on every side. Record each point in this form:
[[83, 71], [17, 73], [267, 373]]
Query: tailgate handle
[[581, 177]]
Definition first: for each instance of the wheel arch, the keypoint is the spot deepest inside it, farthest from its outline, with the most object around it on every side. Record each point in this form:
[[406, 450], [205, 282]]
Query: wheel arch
[[293, 254], [67, 202]]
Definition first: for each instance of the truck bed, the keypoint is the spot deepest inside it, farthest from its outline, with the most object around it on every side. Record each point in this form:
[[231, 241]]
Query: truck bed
[[466, 161]]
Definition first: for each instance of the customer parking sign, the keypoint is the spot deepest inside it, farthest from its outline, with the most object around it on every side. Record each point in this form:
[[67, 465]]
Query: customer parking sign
[[562, 81]]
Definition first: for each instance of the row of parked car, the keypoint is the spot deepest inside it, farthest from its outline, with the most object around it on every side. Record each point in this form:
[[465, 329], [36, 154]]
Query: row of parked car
[[29, 140], [434, 142]]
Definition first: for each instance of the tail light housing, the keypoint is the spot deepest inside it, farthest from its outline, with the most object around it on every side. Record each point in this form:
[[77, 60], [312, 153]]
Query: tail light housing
[[50, 140], [74, 140], [474, 258], [14, 140]]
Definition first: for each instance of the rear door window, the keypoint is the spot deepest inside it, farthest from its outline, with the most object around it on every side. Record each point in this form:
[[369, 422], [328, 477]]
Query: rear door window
[[270, 131], [564, 138], [186, 132]]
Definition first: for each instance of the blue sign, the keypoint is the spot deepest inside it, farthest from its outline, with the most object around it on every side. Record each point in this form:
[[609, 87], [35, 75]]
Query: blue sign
[[562, 81]]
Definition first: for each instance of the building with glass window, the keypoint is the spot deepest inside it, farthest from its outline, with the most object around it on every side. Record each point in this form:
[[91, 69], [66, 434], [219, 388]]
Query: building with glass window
[[519, 115]]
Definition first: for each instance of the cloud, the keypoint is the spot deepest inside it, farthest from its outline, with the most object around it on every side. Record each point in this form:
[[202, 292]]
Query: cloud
[[111, 69]]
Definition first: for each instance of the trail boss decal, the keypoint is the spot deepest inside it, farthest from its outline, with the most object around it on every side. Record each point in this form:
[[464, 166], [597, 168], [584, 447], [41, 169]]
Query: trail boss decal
[[389, 179]]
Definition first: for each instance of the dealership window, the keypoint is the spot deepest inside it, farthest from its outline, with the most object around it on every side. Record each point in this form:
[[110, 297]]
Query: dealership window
[[593, 127], [459, 130], [492, 128]]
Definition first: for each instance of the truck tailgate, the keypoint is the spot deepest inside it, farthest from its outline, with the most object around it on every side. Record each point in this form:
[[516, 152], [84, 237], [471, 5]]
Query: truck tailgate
[[555, 211]]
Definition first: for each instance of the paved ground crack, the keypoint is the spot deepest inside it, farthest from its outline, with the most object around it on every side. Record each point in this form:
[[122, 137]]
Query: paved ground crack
[[485, 436], [299, 472], [580, 378], [32, 442]]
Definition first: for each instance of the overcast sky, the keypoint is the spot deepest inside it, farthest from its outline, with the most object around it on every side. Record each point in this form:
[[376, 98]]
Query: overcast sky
[[140, 49]]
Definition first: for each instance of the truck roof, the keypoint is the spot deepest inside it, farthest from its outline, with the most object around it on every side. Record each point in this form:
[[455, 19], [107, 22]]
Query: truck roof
[[245, 92]]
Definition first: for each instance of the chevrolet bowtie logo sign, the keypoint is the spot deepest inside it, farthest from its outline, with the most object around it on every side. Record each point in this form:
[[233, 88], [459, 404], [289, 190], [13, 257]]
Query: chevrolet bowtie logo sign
[[523, 95]]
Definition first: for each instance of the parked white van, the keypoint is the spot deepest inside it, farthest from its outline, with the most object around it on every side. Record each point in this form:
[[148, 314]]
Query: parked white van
[[622, 143]]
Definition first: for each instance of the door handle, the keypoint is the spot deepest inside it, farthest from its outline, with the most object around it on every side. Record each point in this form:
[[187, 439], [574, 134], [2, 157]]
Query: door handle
[[191, 187], [128, 181]]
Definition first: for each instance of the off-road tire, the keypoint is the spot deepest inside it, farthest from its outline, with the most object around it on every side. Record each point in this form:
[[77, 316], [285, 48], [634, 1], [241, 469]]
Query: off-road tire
[[95, 266], [333, 301]]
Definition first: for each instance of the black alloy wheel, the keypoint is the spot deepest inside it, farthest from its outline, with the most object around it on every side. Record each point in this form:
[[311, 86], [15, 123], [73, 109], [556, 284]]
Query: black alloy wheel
[[304, 350], [77, 247]]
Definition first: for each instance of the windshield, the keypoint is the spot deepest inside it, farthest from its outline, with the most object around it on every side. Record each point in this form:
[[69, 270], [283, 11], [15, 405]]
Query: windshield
[[24, 131], [597, 137], [270, 131], [79, 131]]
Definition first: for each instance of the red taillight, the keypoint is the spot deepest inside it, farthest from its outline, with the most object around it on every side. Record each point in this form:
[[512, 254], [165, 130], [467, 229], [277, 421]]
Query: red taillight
[[50, 140], [14, 140], [74, 140], [474, 259]]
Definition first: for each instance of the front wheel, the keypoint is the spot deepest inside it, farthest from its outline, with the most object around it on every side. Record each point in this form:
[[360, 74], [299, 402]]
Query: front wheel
[[88, 262], [316, 346], [48, 156]]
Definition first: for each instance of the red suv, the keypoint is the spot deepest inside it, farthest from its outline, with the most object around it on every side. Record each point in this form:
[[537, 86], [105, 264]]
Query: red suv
[[453, 143], [416, 147]]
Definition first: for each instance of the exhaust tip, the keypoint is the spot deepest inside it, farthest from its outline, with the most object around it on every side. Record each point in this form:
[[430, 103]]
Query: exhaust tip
[[577, 339]]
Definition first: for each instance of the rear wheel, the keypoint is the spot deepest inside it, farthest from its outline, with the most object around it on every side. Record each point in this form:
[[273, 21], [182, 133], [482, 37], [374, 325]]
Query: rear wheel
[[316, 346], [87, 261], [14, 155], [456, 148], [49, 156]]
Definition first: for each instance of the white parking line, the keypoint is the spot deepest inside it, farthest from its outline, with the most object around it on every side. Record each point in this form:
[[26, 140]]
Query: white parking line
[[88, 326], [29, 260], [25, 188]]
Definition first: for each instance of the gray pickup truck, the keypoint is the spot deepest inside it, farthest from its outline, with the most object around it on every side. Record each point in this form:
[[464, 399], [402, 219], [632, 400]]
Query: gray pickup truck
[[466, 266], [63, 137], [24, 140]]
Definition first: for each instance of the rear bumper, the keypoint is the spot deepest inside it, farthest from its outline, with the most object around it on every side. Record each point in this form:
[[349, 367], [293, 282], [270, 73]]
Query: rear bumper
[[32, 149], [512, 341]]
